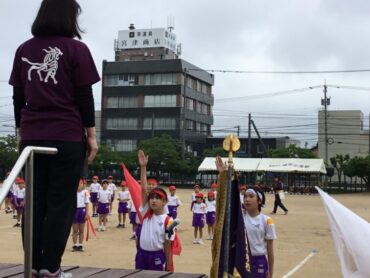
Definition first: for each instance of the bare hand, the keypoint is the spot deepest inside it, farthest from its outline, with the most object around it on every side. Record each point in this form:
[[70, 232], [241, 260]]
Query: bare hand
[[142, 158], [220, 165], [92, 149]]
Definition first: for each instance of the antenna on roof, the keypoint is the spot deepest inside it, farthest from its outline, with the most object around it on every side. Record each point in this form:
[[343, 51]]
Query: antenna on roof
[[171, 23]]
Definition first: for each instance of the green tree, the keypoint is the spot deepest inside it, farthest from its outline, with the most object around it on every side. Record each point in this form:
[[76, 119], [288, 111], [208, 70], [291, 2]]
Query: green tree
[[164, 154], [292, 152], [106, 158], [8, 153], [360, 167], [340, 162], [214, 152]]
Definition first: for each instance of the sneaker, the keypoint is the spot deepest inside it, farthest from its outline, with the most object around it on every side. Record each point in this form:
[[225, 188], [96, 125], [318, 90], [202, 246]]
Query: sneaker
[[123, 226], [44, 273], [8, 210], [35, 273], [133, 236], [209, 237], [196, 241], [286, 212], [100, 229], [80, 248], [103, 228], [200, 241], [272, 212], [119, 226], [74, 248], [14, 216]]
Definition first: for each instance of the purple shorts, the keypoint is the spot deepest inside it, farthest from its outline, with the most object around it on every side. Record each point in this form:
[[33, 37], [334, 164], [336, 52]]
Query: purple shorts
[[259, 266], [150, 260], [20, 202], [211, 217], [94, 197], [198, 220], [122, 207], [9, 195], [132, 217], [80, 216], [103, 208], [172, 211]]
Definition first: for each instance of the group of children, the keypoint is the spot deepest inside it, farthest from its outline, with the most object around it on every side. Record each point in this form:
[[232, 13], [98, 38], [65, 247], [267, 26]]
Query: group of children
[[14, 201]]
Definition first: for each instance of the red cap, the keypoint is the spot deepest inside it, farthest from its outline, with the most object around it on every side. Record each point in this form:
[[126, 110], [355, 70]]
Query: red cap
[[83, 181], [196, 185], [172, 187], [211, 194], [124, 184], [242, 187], [199, 195], [19, 180], [95, 178], [110, 178], [214, 185], [152, 181]]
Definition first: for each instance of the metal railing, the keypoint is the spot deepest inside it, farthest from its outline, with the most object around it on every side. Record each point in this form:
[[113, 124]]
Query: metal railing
[[26, 159]]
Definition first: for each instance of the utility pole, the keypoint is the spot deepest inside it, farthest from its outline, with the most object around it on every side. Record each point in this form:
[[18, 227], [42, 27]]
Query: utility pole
[[326, 102], [249, 136], [183, 115], [238, 126]]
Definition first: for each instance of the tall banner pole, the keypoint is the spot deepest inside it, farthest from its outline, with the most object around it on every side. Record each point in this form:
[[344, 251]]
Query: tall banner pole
[[231, 144]]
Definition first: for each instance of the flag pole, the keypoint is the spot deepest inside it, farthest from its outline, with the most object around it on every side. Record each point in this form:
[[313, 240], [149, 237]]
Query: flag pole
[[231, 144]]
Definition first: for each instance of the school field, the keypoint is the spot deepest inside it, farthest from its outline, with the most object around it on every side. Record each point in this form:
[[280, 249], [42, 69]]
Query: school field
[[300, 232]]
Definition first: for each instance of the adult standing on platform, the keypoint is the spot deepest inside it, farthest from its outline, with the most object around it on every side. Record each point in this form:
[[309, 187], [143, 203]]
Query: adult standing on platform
[[52, 80], [278, 187]]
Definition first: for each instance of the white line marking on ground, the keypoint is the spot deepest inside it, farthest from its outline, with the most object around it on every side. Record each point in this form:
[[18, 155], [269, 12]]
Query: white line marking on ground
[[295, 269]]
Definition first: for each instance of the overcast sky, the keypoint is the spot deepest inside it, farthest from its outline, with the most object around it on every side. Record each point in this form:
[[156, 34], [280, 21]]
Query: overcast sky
[[232, 35]]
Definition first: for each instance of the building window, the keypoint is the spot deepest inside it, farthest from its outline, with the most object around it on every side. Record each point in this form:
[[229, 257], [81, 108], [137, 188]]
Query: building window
[[164, 123], [160, 101], [122, 102], [190, 104], [127, 145], [127, 79], [189, 125], [203, 128], [122, 123], [160, 79]]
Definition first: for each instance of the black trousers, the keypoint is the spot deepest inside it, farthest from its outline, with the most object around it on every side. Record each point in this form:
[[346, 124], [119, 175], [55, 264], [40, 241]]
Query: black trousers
[[56, 179], [278, 203]]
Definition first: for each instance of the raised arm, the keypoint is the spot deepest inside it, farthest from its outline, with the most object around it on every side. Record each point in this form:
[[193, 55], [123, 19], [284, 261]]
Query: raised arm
[[143, 162]]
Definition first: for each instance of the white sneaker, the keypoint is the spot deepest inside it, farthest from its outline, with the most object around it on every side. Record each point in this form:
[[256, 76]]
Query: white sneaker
[[200, 241], [195, 241], [209, 237], [44, 273], [103, 228], [100, 229]]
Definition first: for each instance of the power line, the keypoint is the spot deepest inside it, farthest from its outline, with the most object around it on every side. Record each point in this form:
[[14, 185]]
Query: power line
[[282, 72]]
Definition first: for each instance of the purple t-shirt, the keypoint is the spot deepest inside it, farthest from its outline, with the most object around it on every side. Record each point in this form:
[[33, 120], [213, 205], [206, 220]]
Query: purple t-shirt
[[49, 69]]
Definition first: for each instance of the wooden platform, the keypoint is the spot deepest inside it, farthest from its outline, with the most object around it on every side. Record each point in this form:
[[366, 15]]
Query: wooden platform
[[16, 270]]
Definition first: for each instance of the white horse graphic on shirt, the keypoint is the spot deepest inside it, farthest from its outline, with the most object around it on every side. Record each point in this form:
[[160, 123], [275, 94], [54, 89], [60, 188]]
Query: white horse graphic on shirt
[[49, 65]]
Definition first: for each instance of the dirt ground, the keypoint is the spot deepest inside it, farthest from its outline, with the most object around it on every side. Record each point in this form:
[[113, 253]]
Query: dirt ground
[[304, 229]]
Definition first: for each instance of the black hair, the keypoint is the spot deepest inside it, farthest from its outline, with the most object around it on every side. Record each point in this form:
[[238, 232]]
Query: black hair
[[262, 201], [152, 193], [57, 18]]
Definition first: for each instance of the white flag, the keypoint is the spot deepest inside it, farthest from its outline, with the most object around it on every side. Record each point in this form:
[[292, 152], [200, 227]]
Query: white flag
[[351, 235]]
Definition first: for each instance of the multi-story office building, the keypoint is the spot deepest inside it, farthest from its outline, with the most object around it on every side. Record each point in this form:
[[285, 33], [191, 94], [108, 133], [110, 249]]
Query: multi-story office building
[[346, 134], [148, 91]]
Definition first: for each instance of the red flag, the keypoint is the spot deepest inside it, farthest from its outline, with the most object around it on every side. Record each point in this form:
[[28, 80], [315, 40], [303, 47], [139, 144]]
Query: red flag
[[89, 227], [135, 191], [176, 245]]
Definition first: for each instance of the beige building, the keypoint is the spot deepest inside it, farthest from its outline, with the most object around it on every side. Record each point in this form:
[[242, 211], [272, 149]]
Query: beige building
[[346, 134]]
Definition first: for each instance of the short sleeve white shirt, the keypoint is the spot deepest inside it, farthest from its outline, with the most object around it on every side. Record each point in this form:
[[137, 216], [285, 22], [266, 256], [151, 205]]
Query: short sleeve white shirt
[[104, 196], [124, 196], [82, 198], [199, 208], [112, 188], [95, 187], [259, 229], [211, 205], [152, 236], [173, 200], [20, 193]]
